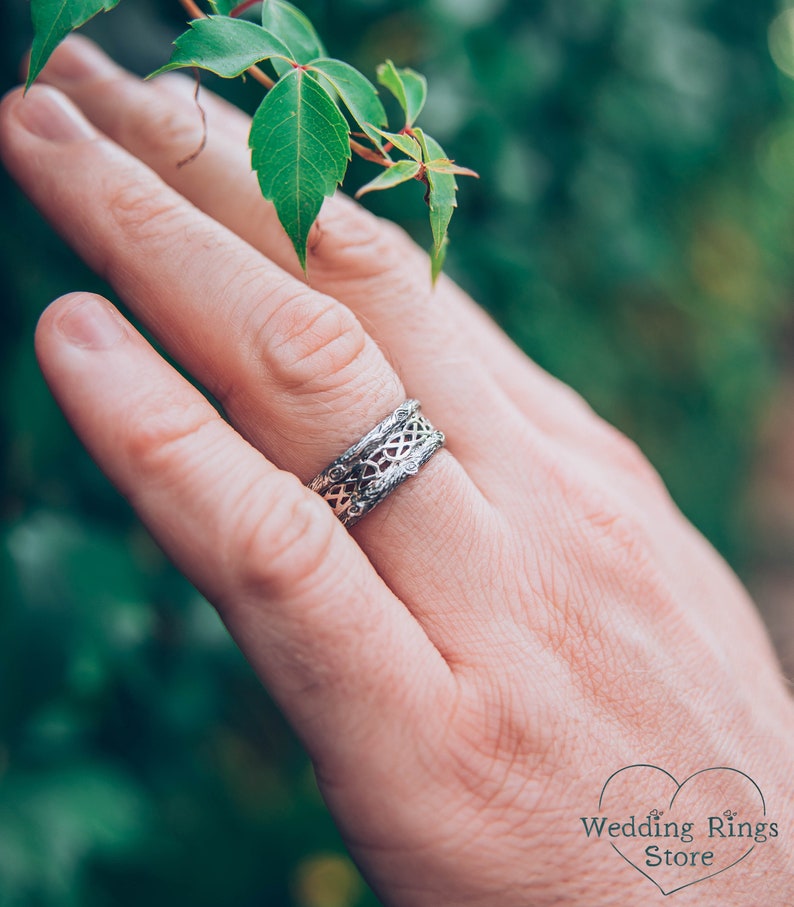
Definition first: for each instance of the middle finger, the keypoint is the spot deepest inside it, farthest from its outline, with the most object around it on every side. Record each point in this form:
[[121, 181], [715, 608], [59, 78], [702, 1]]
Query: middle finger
[[469, 369], [437, 336]]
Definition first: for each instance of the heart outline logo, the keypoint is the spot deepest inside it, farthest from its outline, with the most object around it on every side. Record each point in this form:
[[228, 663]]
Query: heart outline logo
[[678, 788]]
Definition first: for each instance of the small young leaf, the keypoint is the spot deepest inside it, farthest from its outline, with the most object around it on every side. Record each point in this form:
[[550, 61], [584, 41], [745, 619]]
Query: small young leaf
[[299, 148], [356, 91], [442, 189], [292, 27], [224, 46], [409, 87], [398, 173], [52, 22], [445, 166], [405, 143]]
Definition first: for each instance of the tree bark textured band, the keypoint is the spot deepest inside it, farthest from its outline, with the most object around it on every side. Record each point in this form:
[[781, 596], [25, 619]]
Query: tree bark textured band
[[369, 471]]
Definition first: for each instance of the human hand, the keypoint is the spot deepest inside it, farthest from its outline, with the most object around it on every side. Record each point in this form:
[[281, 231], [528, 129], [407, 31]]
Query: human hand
[[470, 663]]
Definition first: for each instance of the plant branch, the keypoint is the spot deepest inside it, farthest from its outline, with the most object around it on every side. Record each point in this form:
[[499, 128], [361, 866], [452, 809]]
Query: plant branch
[[203, 143], [368, 154]]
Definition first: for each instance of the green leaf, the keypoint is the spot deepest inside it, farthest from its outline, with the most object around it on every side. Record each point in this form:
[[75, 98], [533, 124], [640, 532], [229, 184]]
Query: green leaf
[[438, 256], [224, 46], [292, 27], [398, 173], [442, 190], [409, 87], [356, 91], [52, 22], [299, 148], [405, 143]]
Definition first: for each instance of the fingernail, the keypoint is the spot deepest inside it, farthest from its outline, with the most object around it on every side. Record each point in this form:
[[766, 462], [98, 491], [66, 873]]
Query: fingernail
[[47, 114], [92, 324], [77, 58]]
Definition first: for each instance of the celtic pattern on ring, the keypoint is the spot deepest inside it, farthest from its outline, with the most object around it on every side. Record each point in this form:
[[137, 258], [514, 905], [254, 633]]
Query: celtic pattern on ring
[[368, 472]]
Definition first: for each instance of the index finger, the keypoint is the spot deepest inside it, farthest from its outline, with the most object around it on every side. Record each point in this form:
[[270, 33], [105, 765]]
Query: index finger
[[438, 336]]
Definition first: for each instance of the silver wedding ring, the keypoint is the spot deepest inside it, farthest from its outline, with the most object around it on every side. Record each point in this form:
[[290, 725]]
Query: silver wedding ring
[[369, 471]]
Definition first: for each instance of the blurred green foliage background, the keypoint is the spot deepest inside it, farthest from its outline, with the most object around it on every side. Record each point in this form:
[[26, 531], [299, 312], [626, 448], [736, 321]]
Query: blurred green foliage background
[[632, 230]]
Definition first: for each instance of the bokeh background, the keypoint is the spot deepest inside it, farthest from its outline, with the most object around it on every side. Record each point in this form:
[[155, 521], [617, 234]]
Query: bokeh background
[[632, 230]]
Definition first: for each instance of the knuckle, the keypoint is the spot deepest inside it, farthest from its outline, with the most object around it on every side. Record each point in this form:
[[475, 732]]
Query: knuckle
[[349, 241], [141, 214], [157, 442], [492, 732], [283, 548], [602, 531], [311, 344], [616, 544], [627, 456], [619, 535], [161, 128]]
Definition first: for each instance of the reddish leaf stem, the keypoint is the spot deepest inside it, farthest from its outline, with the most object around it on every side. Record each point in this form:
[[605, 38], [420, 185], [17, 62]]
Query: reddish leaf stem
[[242, 7], [369, 154]]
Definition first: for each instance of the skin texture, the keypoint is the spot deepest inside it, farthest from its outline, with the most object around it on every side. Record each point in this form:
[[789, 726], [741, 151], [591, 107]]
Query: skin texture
[[469, 664]]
